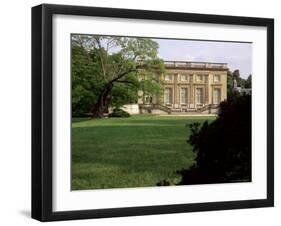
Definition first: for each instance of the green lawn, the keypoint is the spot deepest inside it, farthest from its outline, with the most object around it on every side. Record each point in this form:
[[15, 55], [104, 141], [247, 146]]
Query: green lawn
[[129, 152]]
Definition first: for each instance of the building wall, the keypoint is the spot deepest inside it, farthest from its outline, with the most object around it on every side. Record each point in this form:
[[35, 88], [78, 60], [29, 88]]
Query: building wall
[[211, 81], [131, 108], [208, 84]]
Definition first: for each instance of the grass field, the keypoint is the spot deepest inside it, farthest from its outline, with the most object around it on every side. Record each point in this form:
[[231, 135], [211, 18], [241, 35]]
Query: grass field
[[129, 152]]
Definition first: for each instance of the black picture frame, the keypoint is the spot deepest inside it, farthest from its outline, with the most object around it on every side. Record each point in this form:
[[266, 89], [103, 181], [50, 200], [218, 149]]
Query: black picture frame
[[42, 111]]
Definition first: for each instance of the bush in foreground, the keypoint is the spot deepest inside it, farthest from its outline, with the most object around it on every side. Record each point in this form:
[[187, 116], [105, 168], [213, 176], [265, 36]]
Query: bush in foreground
[[223, 147], [119, 113]]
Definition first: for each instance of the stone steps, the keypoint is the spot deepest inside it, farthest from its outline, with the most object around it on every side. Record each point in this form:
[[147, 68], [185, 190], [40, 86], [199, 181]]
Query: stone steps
[[183, 110], [184, 113]]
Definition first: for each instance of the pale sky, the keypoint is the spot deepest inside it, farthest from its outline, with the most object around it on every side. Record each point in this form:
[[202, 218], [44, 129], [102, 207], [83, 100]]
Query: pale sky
[[236, 55]]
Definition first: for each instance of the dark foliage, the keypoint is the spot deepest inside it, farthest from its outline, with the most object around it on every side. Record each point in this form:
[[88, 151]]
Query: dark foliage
[[85, 87], [119, 113], [241, 82], [164, 183], [223, 147]]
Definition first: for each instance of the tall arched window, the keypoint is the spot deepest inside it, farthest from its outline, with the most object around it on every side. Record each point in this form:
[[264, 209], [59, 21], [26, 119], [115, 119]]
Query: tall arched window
[[183, 95], [199, 95], [168, 96], [217, 96]]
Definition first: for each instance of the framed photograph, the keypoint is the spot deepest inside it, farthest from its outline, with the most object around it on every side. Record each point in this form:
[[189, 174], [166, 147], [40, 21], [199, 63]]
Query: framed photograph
[[145, 112]]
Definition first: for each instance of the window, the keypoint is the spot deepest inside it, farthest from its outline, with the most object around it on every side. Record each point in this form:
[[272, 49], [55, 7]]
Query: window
[[184, 78], [199, 78], [183, 97], [168, 77], [217, 96], [168, 96], [217, 78], [199, 95], [148, 100]]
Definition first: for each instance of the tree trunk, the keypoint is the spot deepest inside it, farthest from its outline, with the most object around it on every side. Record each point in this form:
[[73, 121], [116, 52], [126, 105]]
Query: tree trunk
[[101, 105]]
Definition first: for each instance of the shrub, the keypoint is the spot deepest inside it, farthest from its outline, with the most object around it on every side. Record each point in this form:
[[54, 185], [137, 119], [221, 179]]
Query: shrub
[[164, 183], [119, 113], [223, 147]]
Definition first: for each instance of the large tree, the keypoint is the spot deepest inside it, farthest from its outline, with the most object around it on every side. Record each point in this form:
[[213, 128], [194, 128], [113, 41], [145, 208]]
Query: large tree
[[85, 83], [248, 83], [114, 66], [240, 82]]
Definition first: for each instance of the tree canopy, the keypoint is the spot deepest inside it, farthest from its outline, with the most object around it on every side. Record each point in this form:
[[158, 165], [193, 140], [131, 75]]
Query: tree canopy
[[241, 82], [107, 71]]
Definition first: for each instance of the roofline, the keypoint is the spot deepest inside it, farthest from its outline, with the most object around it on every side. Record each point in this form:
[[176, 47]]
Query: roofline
[[200, 62], [198, 69]]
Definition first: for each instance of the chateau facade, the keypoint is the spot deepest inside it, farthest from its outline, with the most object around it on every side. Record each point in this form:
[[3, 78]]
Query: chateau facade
[[188, 87]]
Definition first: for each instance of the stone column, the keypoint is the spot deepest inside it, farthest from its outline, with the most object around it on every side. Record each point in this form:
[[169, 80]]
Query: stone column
[[207, 89], [191, 91], [176, 102]]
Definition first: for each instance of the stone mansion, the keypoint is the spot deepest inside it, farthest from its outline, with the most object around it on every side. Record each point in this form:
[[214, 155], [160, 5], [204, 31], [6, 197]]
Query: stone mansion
[[188, 87]]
